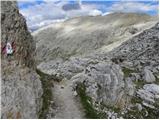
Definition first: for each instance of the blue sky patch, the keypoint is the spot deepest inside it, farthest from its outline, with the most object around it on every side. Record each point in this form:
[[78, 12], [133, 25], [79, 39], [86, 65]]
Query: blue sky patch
[[42, 12]]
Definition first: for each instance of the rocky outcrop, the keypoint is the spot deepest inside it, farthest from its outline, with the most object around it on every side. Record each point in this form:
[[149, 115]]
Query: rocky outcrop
[[21, 87], [103, 79], [14, 30], [149, 94], [148, 76]]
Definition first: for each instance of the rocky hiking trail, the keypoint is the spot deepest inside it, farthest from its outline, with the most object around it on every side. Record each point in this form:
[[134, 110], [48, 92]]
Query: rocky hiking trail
[[65, 103]]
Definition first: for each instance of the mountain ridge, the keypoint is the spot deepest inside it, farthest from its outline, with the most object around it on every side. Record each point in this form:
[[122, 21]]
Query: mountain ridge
[[83, 35]]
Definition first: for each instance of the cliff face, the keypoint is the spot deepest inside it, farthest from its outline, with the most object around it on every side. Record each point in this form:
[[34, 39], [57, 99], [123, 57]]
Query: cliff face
[[21, 89], [14, 30]]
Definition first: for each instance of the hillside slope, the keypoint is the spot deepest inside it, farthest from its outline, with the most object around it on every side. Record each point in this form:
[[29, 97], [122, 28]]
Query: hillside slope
[[83, 35]]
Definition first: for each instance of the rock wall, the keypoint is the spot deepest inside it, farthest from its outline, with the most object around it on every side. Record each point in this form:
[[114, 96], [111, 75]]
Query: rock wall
[[21, 89], [14, 30]]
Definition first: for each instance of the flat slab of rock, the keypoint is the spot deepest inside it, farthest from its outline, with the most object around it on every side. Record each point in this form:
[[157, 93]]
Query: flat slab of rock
[[148, 94]]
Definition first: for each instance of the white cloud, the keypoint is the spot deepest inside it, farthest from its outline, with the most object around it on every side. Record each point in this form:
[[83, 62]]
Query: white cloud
[[37, 14], [132, 7], [95, 13], [106, 13], [45, 23], [45, 13], [50, 11]]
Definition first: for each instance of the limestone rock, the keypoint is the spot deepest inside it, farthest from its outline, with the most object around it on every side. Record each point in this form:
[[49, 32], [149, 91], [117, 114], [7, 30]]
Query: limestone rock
[[98, 77], [139, 106], [21, 86], [148, 94], [148, 76], [20, 37]]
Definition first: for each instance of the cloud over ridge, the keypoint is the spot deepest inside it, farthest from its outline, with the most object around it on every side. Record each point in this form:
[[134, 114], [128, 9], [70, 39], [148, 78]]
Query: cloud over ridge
[[44, 12]]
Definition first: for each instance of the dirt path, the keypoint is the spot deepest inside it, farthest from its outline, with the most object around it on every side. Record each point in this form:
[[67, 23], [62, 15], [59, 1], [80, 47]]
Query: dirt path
[[66, 105]]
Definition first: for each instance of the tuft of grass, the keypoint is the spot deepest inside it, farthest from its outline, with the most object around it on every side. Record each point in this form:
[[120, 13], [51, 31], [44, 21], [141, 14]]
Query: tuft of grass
[[113, 108], [86, 101], [139, 83], [47, 93], [157, 79], [127, 71]]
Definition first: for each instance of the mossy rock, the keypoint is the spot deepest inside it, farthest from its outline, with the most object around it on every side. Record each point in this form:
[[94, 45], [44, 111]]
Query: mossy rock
[[127, 71]]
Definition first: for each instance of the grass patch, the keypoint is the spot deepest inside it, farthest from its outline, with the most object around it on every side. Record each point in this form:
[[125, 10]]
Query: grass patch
[[135, 113], [157, 79], [127, 71], [86, 101], [113, 108], [47, 93], [139, 83], [152, 113], [135, 100]]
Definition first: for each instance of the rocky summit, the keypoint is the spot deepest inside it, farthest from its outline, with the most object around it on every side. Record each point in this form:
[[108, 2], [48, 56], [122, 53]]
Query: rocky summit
[[97, 67]]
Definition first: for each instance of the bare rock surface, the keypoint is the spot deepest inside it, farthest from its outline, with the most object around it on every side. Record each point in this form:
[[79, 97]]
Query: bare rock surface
[[21, 87], [148, 75], [149, 93]]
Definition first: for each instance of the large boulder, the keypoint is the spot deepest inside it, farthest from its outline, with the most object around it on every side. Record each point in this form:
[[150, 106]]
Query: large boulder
[[105, 84], [148, 76]]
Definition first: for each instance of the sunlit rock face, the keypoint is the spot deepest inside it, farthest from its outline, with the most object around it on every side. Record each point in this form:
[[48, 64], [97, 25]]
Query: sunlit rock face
[[21, 89]]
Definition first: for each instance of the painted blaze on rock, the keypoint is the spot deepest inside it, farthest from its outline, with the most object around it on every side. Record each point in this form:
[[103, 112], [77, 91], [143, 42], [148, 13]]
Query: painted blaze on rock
[[14, 30]]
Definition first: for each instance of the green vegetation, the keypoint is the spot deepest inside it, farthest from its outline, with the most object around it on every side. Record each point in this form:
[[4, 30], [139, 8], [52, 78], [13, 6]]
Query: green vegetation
[[134, 112], [47, 93], [139, 83], [153, 113], [145, 113], [86, 101], [127, 71], [112, 108], [157, 79], [135, 100]]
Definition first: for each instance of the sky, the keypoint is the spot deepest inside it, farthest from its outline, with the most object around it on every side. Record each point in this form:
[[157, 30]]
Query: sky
[[39, 13]]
